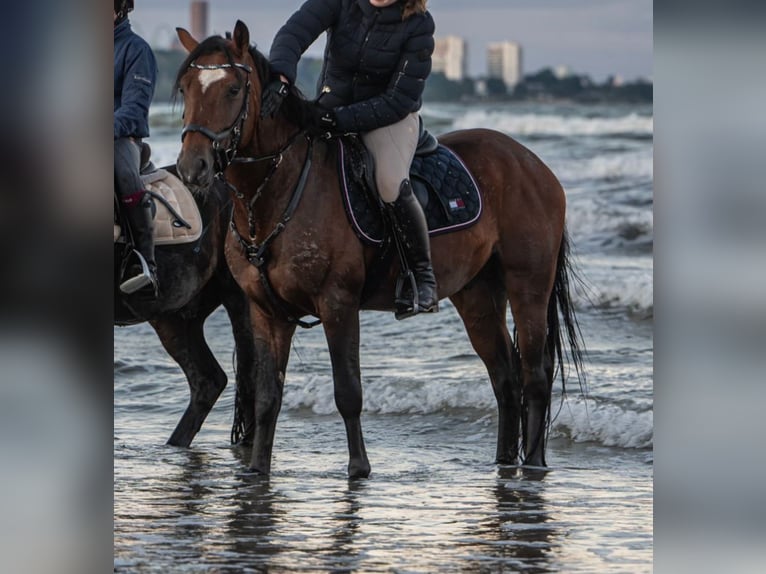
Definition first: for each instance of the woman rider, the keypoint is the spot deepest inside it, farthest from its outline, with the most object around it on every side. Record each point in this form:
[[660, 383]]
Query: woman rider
[[377, 58]]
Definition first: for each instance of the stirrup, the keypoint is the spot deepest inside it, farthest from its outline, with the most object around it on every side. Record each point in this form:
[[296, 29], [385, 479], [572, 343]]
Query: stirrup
[[405, 310], [144, 279], [409, 307]]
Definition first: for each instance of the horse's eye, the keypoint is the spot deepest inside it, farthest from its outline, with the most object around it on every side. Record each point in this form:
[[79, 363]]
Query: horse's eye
[[234, 90], [181, 91]]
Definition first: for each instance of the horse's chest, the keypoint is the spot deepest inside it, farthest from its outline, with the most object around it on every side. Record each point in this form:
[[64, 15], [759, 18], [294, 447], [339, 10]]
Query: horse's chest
[[294, 268], [302, 262]]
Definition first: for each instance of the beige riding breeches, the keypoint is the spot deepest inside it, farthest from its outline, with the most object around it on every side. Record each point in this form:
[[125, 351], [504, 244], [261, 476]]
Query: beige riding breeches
[[392, 149]]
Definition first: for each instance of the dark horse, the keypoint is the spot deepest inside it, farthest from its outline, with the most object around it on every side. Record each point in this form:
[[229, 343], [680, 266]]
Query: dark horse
[[195, 280], [313, 263]]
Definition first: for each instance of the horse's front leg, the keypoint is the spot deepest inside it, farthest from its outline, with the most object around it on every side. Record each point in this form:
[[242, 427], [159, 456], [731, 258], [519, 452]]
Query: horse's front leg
[[341, 326], [272, 348]]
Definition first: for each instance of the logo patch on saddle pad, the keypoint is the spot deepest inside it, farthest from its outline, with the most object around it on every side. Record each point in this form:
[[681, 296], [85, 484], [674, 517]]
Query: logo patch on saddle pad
[[441, 182], [177, 219]]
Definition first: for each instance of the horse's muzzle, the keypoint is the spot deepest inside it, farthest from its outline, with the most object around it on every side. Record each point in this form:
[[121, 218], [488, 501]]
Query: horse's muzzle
[[194, 170]]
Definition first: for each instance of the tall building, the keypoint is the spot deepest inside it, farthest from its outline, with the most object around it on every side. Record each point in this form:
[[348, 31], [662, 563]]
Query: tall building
[[450, 57], [504, 62], [199, 14]]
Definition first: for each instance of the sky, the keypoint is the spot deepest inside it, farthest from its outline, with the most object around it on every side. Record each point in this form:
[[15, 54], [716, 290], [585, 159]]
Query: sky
[[594, 37]]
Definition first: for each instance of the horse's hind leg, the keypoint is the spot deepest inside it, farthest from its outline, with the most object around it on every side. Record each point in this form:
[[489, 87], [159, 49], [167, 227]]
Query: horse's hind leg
[[529, 294], [342, 333], [482, 305], [184, 340]]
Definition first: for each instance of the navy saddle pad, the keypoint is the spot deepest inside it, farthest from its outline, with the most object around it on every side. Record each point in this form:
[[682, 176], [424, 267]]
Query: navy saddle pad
[[440, 181]]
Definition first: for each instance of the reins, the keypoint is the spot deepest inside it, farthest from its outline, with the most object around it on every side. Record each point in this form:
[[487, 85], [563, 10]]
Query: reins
[[256, 254]]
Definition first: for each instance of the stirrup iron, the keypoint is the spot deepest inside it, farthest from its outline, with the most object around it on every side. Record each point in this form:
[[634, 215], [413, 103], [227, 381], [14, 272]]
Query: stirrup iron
[[406, 307], [139, 281]]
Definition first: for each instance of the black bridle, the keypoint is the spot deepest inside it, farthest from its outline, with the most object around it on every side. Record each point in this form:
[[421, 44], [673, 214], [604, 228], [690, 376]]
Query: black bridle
[[232, 134], [256, 254]]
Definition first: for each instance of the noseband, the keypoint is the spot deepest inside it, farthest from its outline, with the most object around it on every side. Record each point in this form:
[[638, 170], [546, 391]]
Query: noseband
[[224, 156]]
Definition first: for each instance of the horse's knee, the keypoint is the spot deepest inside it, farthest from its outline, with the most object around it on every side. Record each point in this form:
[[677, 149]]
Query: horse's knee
[[348, 399]]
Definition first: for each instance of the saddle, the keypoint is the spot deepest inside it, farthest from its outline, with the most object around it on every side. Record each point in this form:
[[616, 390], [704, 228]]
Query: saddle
[[441, 182], [177, 218]]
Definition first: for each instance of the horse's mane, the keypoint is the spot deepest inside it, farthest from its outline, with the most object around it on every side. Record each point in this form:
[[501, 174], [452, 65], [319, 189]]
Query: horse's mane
[[295, 105]]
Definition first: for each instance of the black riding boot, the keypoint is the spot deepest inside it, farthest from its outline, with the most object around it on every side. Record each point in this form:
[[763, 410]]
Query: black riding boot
[[143, 273], [411, 227]]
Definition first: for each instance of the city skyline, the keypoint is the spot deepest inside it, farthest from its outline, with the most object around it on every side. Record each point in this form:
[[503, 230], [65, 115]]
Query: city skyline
[[599, 38]]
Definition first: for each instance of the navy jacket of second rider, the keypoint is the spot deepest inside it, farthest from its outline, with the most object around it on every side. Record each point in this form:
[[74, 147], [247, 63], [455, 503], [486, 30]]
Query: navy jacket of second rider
[[375, 64], [135, 75]]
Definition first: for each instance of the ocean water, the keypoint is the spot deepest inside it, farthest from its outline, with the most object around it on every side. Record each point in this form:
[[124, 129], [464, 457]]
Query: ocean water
[[435, 500]]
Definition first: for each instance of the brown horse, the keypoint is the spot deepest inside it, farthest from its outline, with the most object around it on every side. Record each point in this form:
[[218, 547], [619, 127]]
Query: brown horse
[[297, 255]]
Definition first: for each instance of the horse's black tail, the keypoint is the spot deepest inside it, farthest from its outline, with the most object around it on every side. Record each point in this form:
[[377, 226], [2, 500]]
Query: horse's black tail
[[565, 327]]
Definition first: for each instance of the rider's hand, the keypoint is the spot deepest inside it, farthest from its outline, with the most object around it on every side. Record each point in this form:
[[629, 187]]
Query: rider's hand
[[272, 97], [320, 122]]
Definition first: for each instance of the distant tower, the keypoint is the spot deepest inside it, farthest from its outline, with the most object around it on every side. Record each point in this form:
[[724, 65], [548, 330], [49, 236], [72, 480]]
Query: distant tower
[[450, 57], [199, 14], [504, 62]]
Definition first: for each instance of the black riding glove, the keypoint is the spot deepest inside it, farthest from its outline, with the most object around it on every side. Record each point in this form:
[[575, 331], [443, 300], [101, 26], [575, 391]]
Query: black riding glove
[[272, 97], [321, 122]]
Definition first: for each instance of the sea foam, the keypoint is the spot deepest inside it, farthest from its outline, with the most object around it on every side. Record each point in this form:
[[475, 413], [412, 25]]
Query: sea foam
[[526, 124], [607, 424]]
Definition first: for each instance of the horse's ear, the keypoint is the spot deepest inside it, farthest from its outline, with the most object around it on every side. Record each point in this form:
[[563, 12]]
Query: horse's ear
[[241, 38], [187, 41]]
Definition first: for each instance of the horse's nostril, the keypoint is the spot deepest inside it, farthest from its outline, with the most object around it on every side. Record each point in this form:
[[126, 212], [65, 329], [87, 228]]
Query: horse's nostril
[[202, 170]]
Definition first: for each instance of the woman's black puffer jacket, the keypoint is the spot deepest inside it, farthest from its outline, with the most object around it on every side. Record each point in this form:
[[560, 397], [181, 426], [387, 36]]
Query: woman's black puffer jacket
[[375, 63]]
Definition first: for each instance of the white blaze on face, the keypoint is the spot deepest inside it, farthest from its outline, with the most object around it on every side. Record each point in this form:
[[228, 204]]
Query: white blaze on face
[[208, 77]]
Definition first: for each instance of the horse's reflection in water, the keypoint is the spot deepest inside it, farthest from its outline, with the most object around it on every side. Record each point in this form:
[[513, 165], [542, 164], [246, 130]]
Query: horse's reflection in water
[[189, 498], [251, 529], [519, 536], [347, 521], [266, 522]]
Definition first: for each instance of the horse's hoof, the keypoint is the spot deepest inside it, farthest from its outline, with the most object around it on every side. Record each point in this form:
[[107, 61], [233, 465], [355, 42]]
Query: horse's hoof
[[356, 471], [179, 442], [256, 471], [534, 463], [507, 460]]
